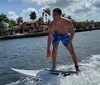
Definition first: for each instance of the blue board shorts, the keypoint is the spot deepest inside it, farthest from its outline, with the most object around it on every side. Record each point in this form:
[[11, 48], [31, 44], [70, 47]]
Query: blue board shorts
[[64, 38]]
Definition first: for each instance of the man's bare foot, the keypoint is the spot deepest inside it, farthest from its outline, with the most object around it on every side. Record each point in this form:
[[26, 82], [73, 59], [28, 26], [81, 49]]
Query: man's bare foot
[[77, 68], [53, 69]]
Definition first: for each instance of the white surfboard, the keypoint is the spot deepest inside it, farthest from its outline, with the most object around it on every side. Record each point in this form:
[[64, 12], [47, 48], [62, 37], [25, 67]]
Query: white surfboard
[[44, 76], [34, 73], [39, 75], [31, 73]]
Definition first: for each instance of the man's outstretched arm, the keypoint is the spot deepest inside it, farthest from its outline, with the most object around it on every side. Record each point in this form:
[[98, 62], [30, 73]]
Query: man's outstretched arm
[[50, 33], [71, 29]]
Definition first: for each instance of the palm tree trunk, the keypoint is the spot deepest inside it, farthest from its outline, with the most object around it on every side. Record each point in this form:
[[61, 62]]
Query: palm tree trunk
[[45, 18]]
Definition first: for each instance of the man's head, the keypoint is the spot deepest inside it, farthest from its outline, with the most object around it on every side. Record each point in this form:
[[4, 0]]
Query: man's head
[[57, 13]]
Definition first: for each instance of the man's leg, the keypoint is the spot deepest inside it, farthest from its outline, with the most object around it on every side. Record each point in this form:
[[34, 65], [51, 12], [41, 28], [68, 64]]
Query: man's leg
[[74, 57], [54, 54]]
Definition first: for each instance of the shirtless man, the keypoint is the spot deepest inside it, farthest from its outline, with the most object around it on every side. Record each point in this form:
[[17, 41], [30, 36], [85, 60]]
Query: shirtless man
[[58, 30]]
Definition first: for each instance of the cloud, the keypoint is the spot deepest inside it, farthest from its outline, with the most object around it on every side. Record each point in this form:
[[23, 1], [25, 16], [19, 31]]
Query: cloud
[[77, 9], [39, 2], [62, 4], [96, 3], [70, 7], [26, 12], [12, 15]]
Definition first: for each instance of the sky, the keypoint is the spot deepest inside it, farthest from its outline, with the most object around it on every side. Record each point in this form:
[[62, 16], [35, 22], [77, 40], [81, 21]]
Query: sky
[[79, 10]]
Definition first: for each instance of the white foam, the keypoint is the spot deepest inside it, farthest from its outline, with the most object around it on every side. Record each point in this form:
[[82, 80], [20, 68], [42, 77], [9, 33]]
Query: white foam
[[89, 75]]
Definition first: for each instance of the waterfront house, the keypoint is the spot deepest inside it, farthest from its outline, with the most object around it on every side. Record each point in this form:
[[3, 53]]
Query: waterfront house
[[32, 26]]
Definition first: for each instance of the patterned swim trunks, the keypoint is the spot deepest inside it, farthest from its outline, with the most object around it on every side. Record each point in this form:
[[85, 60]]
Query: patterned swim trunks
[[64, 38]]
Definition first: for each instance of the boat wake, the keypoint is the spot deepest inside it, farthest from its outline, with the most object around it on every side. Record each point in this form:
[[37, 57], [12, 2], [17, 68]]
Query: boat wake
[[89, 75]]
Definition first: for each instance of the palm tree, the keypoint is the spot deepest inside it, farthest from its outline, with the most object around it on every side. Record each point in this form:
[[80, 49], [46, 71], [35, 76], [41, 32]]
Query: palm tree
[[40, 21], [19, 20], [12, 23], [49, 21], [45, 13], [69, 17], [2, 28], [33, 15], [63, 15], [3, 21], [3, 17]]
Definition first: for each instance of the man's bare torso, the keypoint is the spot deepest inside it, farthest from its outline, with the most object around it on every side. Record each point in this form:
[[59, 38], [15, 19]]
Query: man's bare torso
[[60, 26]]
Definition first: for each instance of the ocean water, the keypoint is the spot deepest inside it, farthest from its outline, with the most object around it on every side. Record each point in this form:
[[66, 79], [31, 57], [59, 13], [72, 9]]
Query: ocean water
[[29, 53]]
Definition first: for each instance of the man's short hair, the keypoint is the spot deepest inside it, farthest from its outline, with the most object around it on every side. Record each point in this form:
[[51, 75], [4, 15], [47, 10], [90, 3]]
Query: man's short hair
[[58, 10]]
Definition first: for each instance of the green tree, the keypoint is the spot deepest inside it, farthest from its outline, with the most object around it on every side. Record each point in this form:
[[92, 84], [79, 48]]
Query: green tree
[[2, 28], [3, 18], [64, 15], [3, 22], [33, 15], [78, 25], [84, 25], [49, 21], [19, 20], [69, 17], [40, 21], [11, 24], [97, 24], [46, 12]]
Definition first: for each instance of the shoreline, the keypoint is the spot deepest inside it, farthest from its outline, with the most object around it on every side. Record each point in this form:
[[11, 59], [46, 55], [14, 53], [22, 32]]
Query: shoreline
[[8, 37]]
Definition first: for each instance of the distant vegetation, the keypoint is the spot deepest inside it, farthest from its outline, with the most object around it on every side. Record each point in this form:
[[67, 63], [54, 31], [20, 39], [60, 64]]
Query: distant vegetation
[[7, 24]]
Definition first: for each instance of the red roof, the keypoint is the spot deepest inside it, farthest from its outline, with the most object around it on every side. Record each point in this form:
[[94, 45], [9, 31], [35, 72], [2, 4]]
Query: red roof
[[30, 22]]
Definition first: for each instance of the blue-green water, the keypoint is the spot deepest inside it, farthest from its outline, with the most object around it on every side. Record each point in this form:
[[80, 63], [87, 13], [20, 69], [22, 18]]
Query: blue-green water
[[29, 53]]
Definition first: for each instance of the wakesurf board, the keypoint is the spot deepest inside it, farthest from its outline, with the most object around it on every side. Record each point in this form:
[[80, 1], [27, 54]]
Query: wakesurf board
[[34, 73]]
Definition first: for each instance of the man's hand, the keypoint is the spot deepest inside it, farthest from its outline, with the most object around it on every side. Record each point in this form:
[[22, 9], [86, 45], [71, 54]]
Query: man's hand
[[48, 53]]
